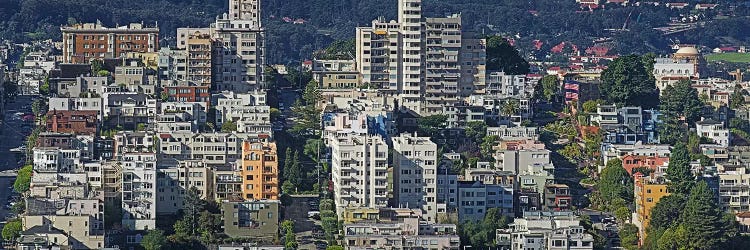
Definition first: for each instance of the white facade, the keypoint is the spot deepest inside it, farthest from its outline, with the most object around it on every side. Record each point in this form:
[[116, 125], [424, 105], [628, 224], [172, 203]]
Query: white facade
[[542, 231], [360, 171], [57, 160], [415, 174], [716, 131], [139, 191]]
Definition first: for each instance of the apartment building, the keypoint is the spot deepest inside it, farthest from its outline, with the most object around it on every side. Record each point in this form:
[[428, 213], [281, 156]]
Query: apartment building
[[658, 164], [135, 78], [443, 68], [336, 74], [545, 230], [191, 64], [77, 104], [129, 109], [74, 122], [257, 219], [713, 130], [80, 220], [247, 110], [509, 133], [139, 191], [476, 197], [216, 149], [359, 164], [240, 51], [611, 151], [415, 173], [133, 142], [228, 183], [473, 60], [173, 182], [78, 85], [417, 59], [557, 197], [378, 48], [734, 187], [260, 171], [507, 86], [194, 111], [405, 233], [647, 191], [56, 160], [517, 156], [83, 42]]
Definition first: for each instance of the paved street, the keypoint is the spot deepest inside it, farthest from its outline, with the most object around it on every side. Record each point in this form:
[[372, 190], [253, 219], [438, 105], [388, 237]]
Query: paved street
[[304, 227], [14, 131]]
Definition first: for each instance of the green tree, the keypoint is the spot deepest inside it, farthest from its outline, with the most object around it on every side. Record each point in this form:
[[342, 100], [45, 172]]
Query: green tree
[[326, 204], [737, 99], [626, 82], [679, 171], [510, 107], [182, 230], [704, 221], [547, 87], [275, 114], [615, 182], [488, 142], [23, 179], [681, 100], [192, 206], [622, 214], [666, 212], [39, 107], [313, 147], [572, 152], [590, 106], [96, 66], [228, 126], [44, 89], [287, 187], [154, 240], [629, 236], [12, 230], [475, 131], [501, 56], [209, 226], [429, 125]]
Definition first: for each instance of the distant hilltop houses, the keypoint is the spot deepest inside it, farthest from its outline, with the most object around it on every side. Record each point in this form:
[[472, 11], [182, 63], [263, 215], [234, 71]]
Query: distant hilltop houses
[[595, 4]]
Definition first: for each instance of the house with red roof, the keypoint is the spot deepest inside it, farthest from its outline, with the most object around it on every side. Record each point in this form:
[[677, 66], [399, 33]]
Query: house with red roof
[[706, 6], [629, 162], [677, 5], [597, 50]]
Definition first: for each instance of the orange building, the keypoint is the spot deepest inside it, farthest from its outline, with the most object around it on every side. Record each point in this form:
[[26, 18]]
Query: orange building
[[83, 42], [648, 191], [260, 171], [629, 162]]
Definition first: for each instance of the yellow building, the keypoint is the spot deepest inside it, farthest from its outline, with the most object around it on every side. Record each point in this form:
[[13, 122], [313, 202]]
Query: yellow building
[[648, 192], [260, 171], [149, 59], [356, 214]]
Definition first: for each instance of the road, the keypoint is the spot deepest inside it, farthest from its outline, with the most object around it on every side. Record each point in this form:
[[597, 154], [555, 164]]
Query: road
[[304, 227], [14, 131]]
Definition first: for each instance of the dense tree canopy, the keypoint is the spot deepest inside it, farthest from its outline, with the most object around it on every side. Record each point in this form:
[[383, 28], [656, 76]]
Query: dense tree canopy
[[679, 171], [615, 182], [681, 101], [627, 82], [501, 56]]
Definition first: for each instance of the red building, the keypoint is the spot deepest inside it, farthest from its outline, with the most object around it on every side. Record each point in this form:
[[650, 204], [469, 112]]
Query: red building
[[557, 197], [74, 122], [83, 42], [629, 162], [189, 93]]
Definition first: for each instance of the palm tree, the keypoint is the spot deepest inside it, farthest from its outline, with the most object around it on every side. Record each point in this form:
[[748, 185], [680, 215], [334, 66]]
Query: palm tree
[[510, 107]]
